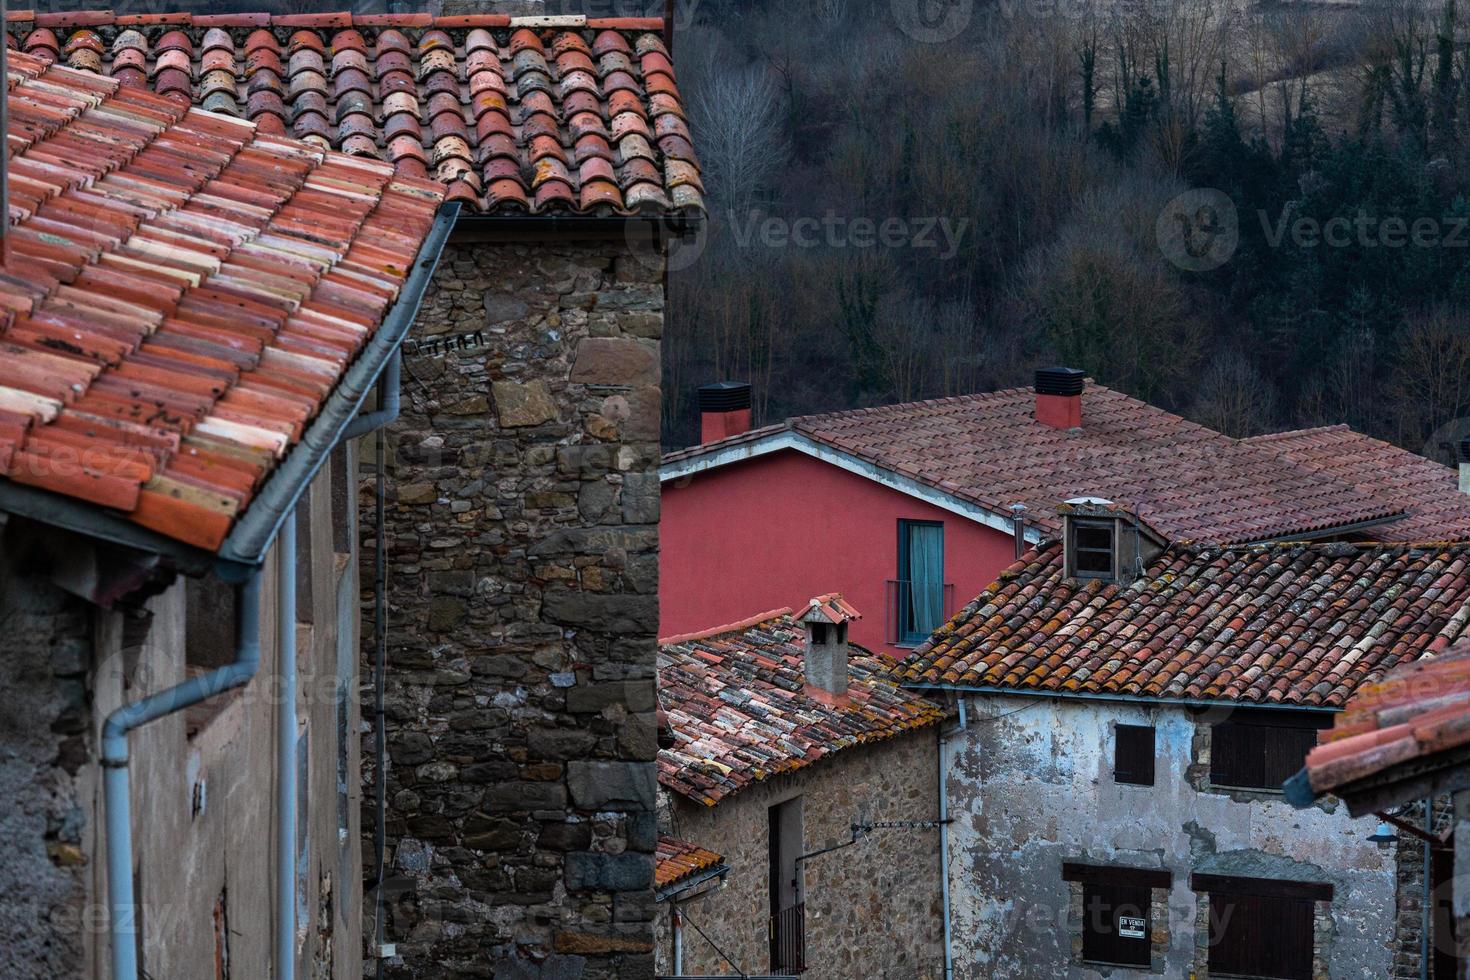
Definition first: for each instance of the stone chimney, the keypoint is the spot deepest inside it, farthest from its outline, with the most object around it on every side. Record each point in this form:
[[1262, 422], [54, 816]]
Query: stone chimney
[[1463, 452], [724, 410], [825, 661], [1059, 397]]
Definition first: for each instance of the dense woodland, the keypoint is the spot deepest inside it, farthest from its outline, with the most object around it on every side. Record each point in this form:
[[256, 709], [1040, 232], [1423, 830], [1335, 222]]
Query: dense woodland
[[1056, 133]]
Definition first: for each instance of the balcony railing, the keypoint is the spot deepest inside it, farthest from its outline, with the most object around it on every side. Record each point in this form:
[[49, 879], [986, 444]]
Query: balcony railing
[[905, 611], [788, 941]]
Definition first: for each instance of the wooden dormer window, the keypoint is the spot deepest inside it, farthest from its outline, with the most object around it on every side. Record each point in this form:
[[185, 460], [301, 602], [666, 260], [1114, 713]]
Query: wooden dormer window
[[1092, 548]]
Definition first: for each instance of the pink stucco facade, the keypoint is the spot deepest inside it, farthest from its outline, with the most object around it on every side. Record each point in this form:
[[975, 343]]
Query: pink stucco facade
[[776, 530]]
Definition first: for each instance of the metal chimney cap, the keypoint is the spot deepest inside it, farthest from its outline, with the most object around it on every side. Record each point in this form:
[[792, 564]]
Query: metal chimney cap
[[1060, 381], [724, 396]]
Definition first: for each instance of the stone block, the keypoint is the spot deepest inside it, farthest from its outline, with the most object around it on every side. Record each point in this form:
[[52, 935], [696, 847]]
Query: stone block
[[595, 871], [616, 361], [521, 404], [612, 785]]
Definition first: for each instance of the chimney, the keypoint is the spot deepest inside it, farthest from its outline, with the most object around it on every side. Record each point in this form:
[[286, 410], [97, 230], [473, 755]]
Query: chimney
[[1018, 527], [825, 661], [1464, 455], [1059, 397], [724, 410]]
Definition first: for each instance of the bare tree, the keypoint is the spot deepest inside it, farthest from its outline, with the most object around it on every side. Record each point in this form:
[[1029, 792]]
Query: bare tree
[[738, 122], [1234, 397]]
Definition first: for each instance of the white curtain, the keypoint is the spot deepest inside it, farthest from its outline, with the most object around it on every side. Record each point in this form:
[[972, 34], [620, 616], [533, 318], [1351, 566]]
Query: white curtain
[[926, 573]]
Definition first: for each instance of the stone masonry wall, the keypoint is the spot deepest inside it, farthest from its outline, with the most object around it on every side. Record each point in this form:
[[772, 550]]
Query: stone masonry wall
[[45, 653], [523, 567], [1408, 933], [873, 910]]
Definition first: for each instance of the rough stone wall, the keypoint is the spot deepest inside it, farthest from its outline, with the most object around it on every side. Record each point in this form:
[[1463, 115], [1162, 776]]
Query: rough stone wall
[[45, 650], [523, 568], [873, 910], [1409, 912], [1031, 786]]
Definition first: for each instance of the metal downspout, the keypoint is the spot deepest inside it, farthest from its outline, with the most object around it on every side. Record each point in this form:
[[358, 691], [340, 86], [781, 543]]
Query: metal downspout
[[287, 761], [678, 919], [122, 919], [388, 401], [944, 832]]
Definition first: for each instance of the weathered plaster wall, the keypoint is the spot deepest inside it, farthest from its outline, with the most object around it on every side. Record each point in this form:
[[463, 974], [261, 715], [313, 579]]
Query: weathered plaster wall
[[523, 562], [872, 910], [1031, 787], [203, 806]]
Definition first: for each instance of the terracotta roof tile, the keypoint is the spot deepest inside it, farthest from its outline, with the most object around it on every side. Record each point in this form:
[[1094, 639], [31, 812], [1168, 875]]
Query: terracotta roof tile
[[1416, 711], [182, 293], [484, 87], [737, 702], [1437, 510], [675, 861], [1192, 483], [1284, 624]]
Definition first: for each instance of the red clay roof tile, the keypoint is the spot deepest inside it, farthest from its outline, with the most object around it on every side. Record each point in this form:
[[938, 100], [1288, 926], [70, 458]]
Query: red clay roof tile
[[542, 71], [179, 285], [675, 861], [737, 703], [1416, 711], [1283, 624]]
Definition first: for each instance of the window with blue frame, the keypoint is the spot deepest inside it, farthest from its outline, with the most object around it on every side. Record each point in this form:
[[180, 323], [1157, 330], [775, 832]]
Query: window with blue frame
[[920, 579]]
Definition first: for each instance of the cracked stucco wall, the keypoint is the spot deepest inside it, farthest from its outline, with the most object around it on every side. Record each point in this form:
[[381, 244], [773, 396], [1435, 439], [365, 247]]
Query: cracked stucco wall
[[1031, 786]]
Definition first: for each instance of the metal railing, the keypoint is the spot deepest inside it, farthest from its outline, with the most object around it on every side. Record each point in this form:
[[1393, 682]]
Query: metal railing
[[788, 941], [900, 620]]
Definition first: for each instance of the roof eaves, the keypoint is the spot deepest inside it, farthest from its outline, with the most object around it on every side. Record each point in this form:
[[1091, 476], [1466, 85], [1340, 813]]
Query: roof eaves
[[763, 442], [245, 547]]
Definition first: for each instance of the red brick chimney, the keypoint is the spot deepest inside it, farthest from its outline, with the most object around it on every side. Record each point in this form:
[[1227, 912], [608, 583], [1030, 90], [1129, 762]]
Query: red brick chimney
[[1059, 397], [724, 410]]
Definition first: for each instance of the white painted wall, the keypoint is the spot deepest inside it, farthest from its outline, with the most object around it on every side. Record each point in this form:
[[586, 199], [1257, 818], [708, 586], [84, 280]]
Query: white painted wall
[[1031, 786]]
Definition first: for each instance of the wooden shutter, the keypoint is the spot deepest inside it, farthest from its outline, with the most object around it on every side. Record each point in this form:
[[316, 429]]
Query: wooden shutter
[[1133, 755], [1260, 750], [1103, 906], [1261, 936]]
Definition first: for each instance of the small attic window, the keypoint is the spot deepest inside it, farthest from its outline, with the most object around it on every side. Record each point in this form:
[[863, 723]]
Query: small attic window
[[1091, 548]]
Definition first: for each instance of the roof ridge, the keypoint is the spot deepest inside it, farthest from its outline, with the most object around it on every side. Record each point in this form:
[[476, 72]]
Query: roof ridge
[[743, 624]]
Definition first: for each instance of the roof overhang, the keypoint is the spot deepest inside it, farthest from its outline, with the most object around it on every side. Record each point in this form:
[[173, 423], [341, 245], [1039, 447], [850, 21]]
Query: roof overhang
[[250, 539], [635, 229], [1124, 698], [788, 439], [696, 885], [1416, 779]]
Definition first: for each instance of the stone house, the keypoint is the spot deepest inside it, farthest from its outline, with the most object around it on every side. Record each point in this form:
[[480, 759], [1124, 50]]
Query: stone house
[[514, 564], [194, 313], [920, 504], [811, 785], [1130, 707]]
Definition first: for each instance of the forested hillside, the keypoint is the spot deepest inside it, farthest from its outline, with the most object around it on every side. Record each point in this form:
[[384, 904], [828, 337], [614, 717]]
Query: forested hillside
[[917, 198]]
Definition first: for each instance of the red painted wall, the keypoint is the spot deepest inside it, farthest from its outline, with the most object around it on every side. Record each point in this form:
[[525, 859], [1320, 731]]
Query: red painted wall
[[777, 530]]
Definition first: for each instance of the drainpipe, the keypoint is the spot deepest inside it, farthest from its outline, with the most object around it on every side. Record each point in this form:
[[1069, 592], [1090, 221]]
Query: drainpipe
[[287, 761], [123, 921], [387, 410], [944, 831], [678, 918]]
